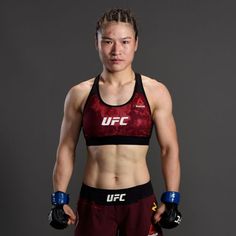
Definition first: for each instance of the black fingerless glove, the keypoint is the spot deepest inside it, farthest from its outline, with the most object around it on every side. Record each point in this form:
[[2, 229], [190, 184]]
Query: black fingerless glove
[[171, 217], [57, 217]]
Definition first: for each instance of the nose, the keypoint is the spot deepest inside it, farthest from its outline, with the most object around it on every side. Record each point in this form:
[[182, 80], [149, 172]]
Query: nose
[[116, 50]]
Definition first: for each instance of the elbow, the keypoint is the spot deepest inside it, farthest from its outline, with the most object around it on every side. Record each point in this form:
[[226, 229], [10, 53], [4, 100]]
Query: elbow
[[170, 150]]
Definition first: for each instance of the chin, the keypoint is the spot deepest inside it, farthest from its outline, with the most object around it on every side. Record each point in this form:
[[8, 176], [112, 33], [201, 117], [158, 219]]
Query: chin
[[114, 69]]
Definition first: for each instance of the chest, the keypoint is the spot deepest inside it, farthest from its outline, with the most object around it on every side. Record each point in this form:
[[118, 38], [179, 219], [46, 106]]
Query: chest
[[132, 118], [116, 95]]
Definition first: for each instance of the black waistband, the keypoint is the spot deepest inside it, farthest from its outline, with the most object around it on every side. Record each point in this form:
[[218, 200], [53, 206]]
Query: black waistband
[[116, 196]]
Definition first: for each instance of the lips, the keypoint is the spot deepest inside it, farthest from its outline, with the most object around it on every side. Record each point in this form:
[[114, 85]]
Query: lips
[[116, 60]]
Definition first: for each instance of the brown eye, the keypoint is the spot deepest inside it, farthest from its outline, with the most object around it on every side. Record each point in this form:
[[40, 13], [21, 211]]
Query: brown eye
[[125, 42], [107, 41]]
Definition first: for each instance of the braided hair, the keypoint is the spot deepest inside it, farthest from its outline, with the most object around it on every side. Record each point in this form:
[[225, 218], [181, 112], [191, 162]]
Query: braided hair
[[117, 15]]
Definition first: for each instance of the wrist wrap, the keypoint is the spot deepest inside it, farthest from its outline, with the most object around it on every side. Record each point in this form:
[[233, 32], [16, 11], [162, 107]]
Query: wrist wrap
[[170, 197], [59, 198]]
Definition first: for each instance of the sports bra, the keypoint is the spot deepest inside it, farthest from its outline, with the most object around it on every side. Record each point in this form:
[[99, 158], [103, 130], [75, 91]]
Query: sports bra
[[129, 123]]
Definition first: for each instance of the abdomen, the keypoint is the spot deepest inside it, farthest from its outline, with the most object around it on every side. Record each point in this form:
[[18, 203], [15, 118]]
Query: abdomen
[[116, 166]]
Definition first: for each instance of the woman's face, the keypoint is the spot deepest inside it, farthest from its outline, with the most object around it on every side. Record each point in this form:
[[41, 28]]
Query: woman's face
[[116, 45]]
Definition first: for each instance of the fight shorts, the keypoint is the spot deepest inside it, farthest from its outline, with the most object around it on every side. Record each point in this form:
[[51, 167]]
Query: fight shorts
[[123, 212]]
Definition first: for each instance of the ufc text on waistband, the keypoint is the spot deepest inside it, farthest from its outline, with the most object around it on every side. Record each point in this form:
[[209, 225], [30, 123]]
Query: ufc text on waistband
[[116, 197]]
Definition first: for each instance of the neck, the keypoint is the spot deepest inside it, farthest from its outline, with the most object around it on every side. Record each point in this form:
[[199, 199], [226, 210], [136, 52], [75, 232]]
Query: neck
[[120, 77]]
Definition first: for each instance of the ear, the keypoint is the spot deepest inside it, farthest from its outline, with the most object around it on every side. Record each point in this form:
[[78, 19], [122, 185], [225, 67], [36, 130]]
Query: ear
[[96, 42], [136, 45]]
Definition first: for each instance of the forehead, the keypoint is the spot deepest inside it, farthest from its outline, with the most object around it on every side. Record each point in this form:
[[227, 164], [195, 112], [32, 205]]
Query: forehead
[[116, 29]]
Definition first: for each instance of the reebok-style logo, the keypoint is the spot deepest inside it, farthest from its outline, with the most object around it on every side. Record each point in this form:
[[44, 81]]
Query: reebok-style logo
[[114, 120], [139, 106], [139, 103], [116, 197]]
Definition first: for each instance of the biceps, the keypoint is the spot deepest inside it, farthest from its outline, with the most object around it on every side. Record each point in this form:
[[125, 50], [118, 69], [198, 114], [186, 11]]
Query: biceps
[[70, 129]]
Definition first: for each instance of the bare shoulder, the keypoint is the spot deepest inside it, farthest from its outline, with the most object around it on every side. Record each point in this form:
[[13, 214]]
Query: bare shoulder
[[157, 94], [154, 88], [83, 87], [78, 94]]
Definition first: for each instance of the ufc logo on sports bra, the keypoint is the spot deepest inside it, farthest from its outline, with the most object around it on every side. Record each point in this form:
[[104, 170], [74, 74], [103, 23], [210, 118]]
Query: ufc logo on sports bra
[[114, 120], [116, 197]]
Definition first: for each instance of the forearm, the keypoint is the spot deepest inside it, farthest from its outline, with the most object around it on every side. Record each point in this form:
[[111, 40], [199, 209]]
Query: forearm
[[171, 168], [63, 169]]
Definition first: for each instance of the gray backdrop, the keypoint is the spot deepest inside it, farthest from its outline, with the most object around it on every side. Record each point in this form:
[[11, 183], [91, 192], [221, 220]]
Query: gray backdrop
[[48, 46]]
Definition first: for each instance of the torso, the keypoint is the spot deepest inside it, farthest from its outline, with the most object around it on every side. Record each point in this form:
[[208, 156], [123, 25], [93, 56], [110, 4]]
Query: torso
[[116, 166]]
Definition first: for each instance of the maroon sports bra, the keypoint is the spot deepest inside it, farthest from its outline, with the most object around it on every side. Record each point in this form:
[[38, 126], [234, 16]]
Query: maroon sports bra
[[129, 123]]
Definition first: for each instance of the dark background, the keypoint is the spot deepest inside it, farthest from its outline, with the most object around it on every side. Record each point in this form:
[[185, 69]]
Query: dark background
[[48, 46]]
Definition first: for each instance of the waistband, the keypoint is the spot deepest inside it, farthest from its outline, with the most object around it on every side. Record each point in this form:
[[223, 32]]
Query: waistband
[[116, 196]]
